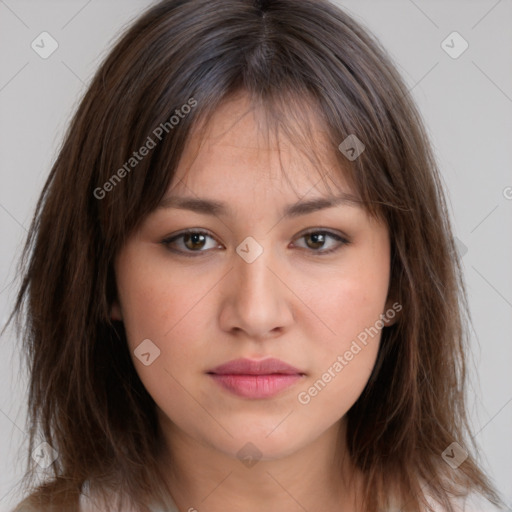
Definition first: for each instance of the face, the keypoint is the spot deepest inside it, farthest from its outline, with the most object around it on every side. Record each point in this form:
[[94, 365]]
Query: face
[[259, 278]]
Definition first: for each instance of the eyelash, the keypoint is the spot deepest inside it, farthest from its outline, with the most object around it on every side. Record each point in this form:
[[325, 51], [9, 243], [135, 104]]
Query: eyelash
[[194, 254]]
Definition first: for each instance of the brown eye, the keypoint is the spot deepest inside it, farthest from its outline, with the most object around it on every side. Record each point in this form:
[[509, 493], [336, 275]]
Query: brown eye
[[194, 240], [195, 243], [191, 243], [317, 240], [323, 242]]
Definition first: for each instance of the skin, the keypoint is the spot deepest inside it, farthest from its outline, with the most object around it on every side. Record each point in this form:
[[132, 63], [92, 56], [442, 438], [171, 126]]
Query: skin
[[292, 303]]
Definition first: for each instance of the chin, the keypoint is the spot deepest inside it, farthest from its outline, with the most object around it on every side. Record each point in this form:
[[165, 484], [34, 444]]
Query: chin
[[263, 444]]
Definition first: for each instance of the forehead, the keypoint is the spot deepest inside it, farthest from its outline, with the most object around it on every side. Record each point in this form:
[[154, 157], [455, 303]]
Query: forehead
[[247, 146]]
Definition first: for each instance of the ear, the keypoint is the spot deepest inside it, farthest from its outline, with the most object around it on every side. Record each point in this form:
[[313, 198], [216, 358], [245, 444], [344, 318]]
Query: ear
[[391, 313], [115, 311]]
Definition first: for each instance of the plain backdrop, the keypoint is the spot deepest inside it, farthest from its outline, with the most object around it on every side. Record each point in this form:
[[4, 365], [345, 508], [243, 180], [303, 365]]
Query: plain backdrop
[[466, 103]]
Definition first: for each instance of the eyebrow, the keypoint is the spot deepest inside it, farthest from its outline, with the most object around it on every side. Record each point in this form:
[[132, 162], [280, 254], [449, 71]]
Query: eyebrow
[[218, 208]]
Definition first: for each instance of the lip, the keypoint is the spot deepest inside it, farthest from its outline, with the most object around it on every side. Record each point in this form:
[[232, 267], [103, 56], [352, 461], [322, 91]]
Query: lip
[[254, 367], [249, 378]]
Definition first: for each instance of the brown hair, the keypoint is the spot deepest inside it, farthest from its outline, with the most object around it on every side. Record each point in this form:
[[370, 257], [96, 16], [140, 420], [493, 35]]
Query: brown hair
[[83, 384]]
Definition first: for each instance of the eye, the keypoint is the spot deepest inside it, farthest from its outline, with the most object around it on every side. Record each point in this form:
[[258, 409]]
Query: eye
[[190, 242], [193, 243], [324, 240]]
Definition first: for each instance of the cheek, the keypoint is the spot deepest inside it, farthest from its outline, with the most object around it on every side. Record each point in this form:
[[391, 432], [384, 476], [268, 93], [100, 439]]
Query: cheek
[[351, 312], [155, 302], [171, 310], [348, 303], [344, 358]]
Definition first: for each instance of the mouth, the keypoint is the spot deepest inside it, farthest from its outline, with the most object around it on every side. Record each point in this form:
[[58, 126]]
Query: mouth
[[252, 379]]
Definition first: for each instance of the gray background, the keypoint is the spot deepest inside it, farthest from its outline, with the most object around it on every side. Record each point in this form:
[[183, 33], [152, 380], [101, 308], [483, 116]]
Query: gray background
[[467, 106]]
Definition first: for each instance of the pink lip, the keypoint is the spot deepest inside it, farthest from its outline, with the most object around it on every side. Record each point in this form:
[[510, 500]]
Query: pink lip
[[255, 379]]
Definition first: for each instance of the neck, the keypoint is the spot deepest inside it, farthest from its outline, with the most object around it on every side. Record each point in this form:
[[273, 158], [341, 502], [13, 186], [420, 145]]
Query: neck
[[316, 477]]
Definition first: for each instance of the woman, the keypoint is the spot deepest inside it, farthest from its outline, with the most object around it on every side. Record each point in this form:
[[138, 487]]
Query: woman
[[232, 297]]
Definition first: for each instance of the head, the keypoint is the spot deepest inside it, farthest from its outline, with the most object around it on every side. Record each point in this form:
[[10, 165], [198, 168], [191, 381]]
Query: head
[[259, 106]]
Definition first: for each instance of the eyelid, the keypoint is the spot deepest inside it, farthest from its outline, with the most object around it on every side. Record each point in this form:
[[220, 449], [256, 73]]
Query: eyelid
[[328, 231]]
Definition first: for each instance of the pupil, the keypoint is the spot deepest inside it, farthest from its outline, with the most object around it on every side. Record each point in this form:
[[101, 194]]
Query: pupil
[[317, 238], [196, 238]]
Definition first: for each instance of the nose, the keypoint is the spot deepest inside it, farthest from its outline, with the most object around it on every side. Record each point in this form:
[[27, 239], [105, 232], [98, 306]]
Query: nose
[[256, 299]]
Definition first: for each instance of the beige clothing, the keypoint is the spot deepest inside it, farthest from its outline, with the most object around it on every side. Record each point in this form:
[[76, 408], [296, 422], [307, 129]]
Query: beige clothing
[[89, 504], [471, 503]]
